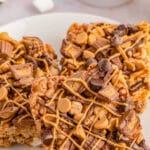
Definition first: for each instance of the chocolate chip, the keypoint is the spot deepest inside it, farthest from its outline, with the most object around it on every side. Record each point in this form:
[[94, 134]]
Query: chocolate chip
[[46, 137], [132, 29], [90, 62], [96, 84], [121, 30], [21, 111], [116, 40], [47, 140], [104, 65], [126, 108], [127, 29]]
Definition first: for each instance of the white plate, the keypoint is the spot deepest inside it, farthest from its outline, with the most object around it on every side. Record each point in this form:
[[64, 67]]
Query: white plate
[[52, 28]]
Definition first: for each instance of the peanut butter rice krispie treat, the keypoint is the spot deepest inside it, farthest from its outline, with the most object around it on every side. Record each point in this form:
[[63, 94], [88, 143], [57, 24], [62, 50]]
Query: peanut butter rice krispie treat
[[89, 110], [126, 46], [20, 63]]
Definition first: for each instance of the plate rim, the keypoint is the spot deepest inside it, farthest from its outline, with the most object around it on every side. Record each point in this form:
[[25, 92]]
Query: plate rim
[[28, 18]]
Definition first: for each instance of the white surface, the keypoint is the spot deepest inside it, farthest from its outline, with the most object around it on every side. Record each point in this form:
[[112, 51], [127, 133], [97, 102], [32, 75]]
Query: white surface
[[43, 7], [135, 11], [52, 28], [1, 1], [106, 3]]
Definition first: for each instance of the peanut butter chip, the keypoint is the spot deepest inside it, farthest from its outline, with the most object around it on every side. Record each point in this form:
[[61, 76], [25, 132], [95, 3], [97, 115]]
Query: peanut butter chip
[[3, 93], [76, 108], [64, 105], [91, 39], [81, 38]]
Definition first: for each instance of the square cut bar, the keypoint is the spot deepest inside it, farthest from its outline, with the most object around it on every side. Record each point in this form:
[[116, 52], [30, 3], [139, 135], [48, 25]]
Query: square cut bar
[[78, 113], [20, 63], [126, 46]]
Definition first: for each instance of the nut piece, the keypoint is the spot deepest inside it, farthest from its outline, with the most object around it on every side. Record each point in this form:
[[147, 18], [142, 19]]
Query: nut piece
[[78, 116], [4, 67], [39, 85], [79, 132], [38, 72], [76, 108], [3, 93], [20, 61], [91, 39], [88, 121], [122, 144], [101, 112], [22, 71], [101, 124], [64, 105]]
